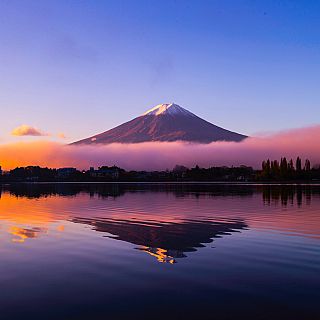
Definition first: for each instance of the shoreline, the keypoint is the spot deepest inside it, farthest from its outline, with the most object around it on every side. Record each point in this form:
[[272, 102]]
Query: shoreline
[[253, 183]]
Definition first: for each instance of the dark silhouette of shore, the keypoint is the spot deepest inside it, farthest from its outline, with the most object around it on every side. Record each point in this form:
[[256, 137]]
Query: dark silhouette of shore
[[272, 171]]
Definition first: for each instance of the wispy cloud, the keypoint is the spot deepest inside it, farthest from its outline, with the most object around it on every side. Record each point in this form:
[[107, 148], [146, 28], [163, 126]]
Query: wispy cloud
[[25, 130], [61, 135], [303, 142]]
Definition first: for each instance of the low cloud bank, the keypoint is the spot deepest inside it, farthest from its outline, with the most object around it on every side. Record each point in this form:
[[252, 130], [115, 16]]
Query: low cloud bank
[[303, 142]]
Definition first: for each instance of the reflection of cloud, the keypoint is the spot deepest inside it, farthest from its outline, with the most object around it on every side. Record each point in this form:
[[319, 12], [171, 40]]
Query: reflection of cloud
[[60, 228], [21, 234], [161, 155], [28, 223], [25, 130]]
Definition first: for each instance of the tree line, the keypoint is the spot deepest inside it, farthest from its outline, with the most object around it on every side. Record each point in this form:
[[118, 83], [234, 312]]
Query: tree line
[[272, 170], [288, 170]]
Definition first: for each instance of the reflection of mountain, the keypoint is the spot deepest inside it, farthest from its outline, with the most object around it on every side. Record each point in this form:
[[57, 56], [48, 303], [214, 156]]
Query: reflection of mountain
[[165, 241]]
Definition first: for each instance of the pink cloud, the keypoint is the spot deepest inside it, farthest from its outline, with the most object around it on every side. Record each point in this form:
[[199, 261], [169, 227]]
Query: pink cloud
[[61, 135], [303, 142], [25, 130]]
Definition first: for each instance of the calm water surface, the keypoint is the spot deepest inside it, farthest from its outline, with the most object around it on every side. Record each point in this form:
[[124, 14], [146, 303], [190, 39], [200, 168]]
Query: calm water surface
[[90, 251]]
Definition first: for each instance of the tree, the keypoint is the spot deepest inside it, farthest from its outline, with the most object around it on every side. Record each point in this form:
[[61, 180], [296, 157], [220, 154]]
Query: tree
[[266, 169], [283, 167], [307, 166], [298, 165], [290, 169], [275, 169]]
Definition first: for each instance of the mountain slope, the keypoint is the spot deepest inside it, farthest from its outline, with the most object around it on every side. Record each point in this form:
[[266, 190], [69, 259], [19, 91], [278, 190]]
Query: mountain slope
[[165, 122]]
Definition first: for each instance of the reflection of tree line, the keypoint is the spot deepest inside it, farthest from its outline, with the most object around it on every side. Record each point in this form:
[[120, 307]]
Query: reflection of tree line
[[38, 190], [284, 194], [289, 195]]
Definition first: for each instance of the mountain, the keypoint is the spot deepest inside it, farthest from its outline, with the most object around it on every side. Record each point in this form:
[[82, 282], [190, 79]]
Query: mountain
[[165, 122]]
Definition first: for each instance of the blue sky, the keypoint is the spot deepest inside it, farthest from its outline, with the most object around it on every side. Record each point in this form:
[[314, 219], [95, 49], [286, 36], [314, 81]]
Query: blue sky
[[82, 67]]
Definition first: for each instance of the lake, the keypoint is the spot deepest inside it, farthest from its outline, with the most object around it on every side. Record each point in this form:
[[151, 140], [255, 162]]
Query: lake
[[159, 251]]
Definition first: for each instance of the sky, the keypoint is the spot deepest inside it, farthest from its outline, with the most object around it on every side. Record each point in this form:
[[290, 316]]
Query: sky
[[72, 69]]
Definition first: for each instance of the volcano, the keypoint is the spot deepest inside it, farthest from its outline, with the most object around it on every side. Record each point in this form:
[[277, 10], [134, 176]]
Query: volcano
[[164, 122]]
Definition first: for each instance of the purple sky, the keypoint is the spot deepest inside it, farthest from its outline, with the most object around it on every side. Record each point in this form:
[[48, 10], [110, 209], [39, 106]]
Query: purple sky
[[82, 67]]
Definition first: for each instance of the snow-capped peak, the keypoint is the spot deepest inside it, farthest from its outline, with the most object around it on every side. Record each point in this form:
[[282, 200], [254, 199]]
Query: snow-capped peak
[[167, 108]]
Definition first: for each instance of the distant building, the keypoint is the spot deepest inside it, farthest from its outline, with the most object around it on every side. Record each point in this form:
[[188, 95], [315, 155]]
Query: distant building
[[0, 171], [66, 172], [105, 172]]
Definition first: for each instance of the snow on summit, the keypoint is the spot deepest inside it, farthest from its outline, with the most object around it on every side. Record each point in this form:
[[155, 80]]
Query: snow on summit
[[167, 108]]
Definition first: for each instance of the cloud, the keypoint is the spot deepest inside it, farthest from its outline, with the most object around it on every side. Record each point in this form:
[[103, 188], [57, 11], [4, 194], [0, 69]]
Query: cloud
[[303, 142], [25, 130], [61, 135]]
